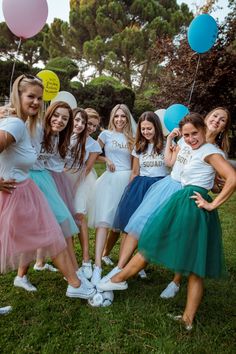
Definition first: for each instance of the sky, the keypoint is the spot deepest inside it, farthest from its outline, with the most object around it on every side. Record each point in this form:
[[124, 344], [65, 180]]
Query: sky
[[61, 8]]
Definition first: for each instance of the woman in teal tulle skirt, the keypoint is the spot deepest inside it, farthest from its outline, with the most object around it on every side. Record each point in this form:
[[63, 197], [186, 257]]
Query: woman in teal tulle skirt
[[185, 235]]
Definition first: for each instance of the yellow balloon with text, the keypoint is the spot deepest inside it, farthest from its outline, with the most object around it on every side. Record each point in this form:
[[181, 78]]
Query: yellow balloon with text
[[51, 84]]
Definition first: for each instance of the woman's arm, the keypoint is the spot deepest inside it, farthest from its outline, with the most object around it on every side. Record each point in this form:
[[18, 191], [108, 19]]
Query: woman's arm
[[90, 162], [171, 151], [104, 159], [227, 172], [6, 139], [135, 168]]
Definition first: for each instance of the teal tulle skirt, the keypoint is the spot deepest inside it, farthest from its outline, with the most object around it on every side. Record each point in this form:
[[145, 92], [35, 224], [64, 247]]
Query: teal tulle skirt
[[183, 237]]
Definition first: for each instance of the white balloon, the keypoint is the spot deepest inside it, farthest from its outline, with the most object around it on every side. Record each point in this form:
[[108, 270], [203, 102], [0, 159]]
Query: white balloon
[[65, 97], [161, 114]]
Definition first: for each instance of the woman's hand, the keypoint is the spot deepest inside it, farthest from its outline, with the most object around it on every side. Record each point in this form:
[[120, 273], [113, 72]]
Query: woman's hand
[[111, 165], [174, 134], [201, 202], [7, 186]]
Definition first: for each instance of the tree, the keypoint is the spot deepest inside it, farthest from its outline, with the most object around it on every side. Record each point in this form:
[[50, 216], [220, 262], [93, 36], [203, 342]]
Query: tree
[[118, 36]]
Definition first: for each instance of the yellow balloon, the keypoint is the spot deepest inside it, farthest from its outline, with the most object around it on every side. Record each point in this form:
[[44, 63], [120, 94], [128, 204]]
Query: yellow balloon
[[51, 84]]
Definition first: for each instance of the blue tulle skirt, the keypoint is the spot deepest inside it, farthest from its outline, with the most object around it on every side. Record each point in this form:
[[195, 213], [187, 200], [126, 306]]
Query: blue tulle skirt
[[131, 199], [46, 184], [156, 195]]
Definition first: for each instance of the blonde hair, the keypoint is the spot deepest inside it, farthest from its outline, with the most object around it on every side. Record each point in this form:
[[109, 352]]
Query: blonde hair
[[19, 86], [222, 140], [92, 114], [127, 131]]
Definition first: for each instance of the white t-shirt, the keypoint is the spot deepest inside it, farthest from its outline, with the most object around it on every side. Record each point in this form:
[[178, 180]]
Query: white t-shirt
[[151, 164], [182, 159], [43, 156], [18, 158], [116, 149], [198, 172]]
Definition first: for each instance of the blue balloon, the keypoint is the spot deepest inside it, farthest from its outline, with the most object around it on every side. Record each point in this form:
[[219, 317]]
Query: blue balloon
[[174, 114], [202, 33]]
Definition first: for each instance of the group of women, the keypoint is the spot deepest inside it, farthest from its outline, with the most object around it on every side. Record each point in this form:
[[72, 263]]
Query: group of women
[[50, 192]]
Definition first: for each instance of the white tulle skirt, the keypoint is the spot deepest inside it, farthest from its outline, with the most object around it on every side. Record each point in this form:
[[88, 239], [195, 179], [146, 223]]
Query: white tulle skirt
[[109, 188]]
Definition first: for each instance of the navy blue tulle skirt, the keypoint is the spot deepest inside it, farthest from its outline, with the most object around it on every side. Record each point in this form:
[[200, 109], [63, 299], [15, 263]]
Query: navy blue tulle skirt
[[131, 199]]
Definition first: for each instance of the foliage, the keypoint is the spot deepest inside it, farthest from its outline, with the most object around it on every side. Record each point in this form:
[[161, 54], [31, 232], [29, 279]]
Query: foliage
[[31, 50], [117, 36], [65, 68], [47, 322], [103, 94]]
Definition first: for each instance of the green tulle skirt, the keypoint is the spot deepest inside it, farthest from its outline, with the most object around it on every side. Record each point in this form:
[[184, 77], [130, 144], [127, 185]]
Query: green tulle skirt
[[183, 237]]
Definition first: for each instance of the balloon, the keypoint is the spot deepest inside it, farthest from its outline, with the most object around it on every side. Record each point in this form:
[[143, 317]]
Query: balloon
[[202, 33], [51, 84], [174, 114], [161, 114], [25, 18], [65, 97]]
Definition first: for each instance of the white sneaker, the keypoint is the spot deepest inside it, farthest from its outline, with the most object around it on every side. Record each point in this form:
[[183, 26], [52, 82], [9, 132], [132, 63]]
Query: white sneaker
[[82, 292], [23, 282], [84, 280], [45, 267], [170, 291], [113, 272], [108, 285], [107, 260], [5, 310], [142, 274], [87, 269], [97, 274]]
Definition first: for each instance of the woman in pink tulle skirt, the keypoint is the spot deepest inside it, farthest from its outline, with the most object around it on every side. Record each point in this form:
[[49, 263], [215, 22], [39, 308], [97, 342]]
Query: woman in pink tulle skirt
[[26, 221]]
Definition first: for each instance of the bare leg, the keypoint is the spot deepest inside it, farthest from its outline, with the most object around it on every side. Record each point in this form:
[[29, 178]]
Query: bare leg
[[101, 234], [127, 249], [22, 270], [110, 242], [40, 261], [194, 296], [137, 263], [64, 264], [83, 236], [71, 252], [177, 278]]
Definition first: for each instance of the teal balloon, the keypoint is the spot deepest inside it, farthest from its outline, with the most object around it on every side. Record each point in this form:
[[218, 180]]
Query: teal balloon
[[202, 33], [174, 114]]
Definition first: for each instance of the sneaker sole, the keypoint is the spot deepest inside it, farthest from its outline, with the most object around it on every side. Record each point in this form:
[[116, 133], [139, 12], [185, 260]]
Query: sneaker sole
[[81, 296]]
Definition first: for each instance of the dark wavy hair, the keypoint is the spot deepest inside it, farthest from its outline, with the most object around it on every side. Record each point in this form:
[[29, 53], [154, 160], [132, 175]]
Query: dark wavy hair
[[141, 144], [78, 150], [64, 135], [195, 119]]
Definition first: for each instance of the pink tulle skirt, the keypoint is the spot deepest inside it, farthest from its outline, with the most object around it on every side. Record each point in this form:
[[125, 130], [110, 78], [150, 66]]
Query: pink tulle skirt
[[65, 189], [26, 224]]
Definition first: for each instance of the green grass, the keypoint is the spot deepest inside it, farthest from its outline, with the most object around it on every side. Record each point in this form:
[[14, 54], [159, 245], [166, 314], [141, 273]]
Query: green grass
[[48, 322]]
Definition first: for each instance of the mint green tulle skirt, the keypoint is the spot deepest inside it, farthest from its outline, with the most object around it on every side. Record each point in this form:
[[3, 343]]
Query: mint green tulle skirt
[[183, 237]]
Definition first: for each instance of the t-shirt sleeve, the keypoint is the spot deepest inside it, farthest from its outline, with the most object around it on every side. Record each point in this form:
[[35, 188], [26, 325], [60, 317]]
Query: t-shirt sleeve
[[13, 126], [134, 153], [103, 136], [94, 147], [210, 150]]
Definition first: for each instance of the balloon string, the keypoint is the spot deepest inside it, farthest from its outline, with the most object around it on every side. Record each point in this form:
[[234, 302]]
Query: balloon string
[[14, 65], [194, 81]]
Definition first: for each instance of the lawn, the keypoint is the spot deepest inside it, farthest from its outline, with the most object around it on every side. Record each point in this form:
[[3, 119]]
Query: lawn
[[49, 322]]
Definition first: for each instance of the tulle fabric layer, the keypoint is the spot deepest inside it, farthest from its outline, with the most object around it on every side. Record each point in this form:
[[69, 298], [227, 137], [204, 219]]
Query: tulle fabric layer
[[109, 188], [65, 189], [46, 184], [131, 199], [156, 195], [26, 224], [183, 237]]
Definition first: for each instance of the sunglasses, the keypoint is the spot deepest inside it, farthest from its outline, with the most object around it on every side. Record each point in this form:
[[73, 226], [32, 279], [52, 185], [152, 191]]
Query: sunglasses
[[30, 77]]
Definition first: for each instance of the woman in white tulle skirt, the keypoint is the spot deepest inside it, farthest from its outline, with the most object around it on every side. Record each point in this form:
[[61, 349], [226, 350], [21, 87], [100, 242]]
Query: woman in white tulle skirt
[[117, 142]]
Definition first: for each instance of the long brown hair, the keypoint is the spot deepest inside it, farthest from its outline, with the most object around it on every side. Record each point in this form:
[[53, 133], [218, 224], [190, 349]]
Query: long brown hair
[[78, 150], [127, 131], [141, 143], [222, 139], [64, 135]]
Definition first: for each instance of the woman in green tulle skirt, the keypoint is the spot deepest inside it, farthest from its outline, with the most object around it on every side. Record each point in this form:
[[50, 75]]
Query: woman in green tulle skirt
[[185, 235]]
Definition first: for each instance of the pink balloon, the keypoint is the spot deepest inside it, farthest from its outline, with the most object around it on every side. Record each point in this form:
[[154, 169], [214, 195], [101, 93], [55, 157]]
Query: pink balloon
[[25, 18]]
